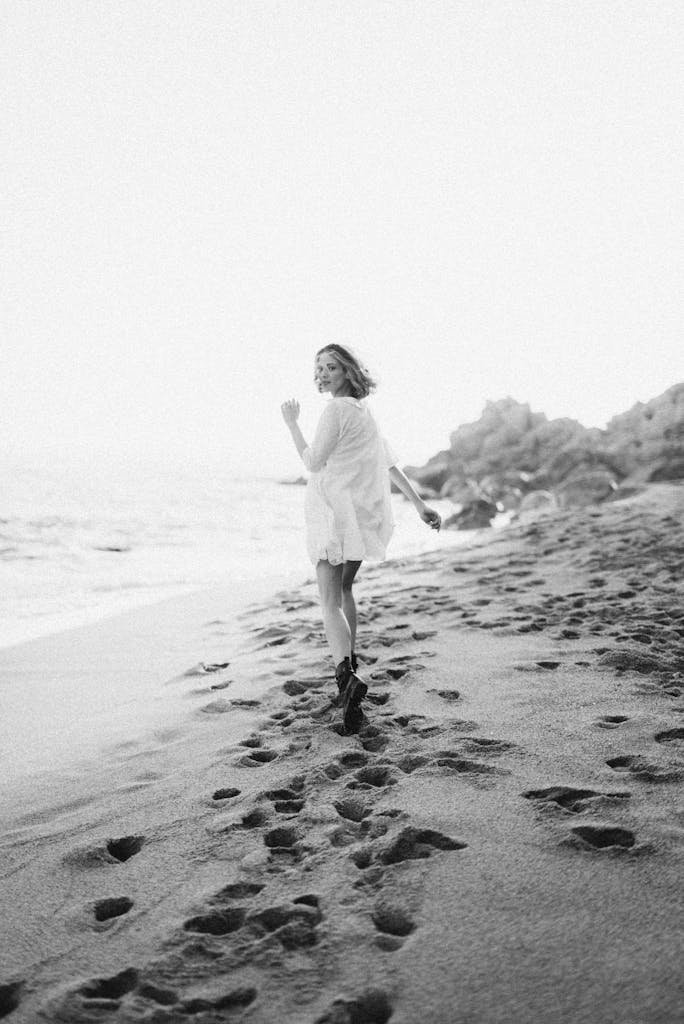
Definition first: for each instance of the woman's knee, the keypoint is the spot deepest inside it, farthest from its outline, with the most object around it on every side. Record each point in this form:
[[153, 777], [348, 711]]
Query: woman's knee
[[329, 588], [349, 572], [331, 603]]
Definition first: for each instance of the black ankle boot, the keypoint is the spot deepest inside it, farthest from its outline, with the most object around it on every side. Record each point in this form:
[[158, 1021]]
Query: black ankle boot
[[343, 673], [350, 699]]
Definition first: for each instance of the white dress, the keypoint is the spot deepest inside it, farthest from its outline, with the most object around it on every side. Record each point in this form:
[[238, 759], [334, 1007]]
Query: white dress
[[348, 511]]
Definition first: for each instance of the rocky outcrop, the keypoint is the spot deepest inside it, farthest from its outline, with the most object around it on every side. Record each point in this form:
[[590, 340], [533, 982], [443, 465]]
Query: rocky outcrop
[[586, 488], [473, 516], [434, 474], [511, 452], [648, 440]]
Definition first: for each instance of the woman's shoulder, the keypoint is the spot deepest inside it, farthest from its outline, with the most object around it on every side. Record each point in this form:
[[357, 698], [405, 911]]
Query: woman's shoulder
[[347, 400]]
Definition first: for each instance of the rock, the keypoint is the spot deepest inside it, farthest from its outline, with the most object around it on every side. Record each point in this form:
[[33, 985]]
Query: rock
[[585, 455], [509, 437], [496, 487], [510, 501], [434, 473], [297, 481], [537, 503], [475, 515], [626, 490], [459, 490], [669, 468], [651, 434], [511, 451], [586, 488]]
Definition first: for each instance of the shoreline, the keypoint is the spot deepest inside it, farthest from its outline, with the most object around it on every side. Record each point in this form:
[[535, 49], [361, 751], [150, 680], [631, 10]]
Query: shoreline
[[111, 669], [502, 840], [29, 622], [112, 679]]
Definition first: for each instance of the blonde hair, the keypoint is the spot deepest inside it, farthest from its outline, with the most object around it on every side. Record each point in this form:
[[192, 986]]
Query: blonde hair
[[359, 378]]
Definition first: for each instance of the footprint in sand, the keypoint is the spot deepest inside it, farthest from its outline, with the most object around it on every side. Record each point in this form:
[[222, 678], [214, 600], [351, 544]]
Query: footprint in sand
[[346, 762], [282, 719], [487, 745], [217, 922], [10, 997], [569, 798], [284, 842], [605, 837], [611, 721], [296, 687], [238, 891], [114, 851], [255, 818], [226, 794], [216, 707], [103, 996], [418, 725], [254, 742], [411, 762], [669, 735], [373, 777], [236, 999], [417, 844], [287, 800], [642, 769], [124, 848], [203, 669], [257, 758], [110, 990], [454, 761], [352, 808], [392, 918], [448, 695], [371, 1007], [107, 909], [373, 738], [292, 924], [378, 698]]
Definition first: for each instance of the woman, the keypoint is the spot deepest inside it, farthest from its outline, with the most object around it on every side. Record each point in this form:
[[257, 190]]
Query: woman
[[348, 509]]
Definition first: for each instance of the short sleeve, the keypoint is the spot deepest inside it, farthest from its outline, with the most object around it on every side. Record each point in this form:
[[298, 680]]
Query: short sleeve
[[327, 435]]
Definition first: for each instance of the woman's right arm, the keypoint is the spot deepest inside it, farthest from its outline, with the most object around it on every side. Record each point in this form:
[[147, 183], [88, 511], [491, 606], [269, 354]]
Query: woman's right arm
[[327, 435]]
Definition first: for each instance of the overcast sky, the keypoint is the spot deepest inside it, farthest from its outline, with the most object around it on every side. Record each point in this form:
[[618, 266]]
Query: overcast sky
[[484, 198]]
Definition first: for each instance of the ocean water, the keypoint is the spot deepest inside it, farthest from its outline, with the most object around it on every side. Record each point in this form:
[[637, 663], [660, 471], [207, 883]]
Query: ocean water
[[79, 544]]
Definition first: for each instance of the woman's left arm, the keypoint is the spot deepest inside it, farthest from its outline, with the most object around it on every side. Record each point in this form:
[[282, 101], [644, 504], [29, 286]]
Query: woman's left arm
[[427, 514]]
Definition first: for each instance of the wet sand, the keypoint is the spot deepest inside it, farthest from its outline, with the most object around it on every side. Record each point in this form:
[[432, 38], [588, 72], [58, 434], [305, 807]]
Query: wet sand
[[501, 842]]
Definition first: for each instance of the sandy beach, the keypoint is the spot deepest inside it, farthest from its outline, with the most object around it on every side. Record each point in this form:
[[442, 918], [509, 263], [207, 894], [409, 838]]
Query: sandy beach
[[500, 844]]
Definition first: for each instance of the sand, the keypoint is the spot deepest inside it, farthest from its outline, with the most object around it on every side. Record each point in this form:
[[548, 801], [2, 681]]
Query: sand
[[501, 842]]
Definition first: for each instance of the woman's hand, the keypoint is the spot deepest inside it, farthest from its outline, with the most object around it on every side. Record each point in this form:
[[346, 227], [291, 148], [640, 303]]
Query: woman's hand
[[290, 411], [429, 516]]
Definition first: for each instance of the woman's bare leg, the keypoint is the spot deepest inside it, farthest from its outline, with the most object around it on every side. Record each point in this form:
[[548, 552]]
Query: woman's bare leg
[[349, 571], [336, 627]]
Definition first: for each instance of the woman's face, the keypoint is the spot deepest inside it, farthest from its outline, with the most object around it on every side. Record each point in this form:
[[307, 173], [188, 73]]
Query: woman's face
[[330, 375]]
